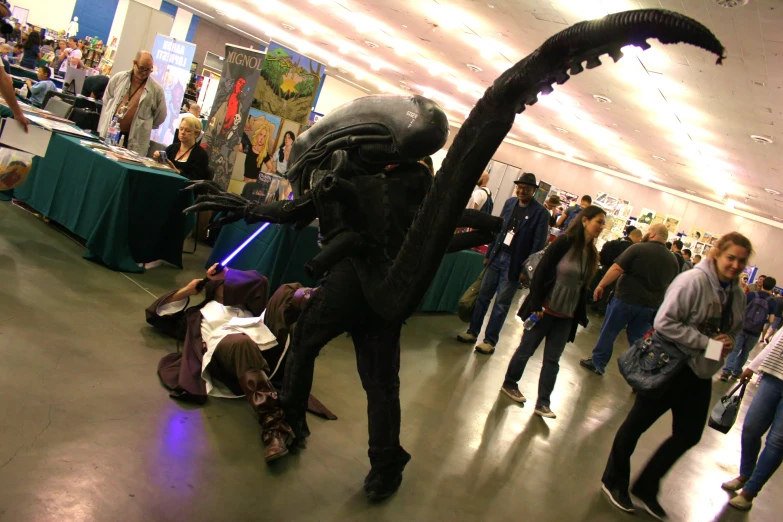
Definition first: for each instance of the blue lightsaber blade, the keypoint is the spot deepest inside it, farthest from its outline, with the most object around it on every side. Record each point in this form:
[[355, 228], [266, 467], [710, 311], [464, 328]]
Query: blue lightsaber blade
[[232, 255]]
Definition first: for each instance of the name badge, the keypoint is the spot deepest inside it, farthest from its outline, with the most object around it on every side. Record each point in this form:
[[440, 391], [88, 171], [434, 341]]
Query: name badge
[[509, 238]]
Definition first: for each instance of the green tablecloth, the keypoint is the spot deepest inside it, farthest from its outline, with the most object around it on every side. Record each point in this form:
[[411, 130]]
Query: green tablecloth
[[126, 214], [280, 254]]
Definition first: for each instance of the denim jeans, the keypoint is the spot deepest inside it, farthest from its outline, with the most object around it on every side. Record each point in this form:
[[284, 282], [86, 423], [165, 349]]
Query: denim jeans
[[765, 413], [739, 355], [556, 330], [495, 283], [637, 321]]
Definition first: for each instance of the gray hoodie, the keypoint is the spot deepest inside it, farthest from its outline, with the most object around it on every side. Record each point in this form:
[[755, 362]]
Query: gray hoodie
[[691, 306]]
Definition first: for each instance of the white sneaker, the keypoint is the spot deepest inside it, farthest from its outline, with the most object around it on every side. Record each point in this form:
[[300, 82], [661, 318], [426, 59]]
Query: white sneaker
[[467, 338], [733, 485]]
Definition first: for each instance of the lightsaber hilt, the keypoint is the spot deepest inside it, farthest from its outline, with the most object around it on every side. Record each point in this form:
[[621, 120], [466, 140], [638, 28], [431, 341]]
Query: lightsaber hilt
[[201, 284]]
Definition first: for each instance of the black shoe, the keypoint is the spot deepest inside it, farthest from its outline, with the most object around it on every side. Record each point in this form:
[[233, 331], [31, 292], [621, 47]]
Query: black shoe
[[651, 504], [381, 484], [588, 363], [619, 498]]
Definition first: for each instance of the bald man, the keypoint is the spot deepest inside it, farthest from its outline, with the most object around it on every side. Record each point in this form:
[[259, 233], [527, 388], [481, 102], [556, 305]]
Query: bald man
[[643, 273], [138, 103]]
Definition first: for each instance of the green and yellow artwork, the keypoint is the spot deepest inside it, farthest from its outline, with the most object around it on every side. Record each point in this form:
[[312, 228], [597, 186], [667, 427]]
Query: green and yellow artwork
[[289, 84]]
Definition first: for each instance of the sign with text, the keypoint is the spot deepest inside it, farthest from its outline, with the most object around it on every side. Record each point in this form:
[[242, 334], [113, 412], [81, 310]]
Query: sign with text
[[172, 60]]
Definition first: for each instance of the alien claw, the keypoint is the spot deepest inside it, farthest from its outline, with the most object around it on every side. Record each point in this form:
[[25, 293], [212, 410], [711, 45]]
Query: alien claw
[[593, 62], [561, 78], [576, 68], [616, 54]]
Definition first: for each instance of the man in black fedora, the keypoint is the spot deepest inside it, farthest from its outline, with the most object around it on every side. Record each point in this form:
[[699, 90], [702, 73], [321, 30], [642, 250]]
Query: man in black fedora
[[525, 231]]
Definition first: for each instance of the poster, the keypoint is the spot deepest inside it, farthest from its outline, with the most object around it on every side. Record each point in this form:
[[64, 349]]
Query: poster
[[697, 234], [672, 224], [230, 108], [646, 216], [172, 71], [257, 145], [289, 84], [707, 238]]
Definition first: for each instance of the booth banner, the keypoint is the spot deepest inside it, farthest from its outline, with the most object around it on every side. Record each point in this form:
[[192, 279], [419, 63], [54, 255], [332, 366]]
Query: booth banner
[[172, 71], [231, 106], [289, 84]]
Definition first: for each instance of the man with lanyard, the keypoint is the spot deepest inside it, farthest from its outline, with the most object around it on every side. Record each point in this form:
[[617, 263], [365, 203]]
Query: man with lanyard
[[138, 103], [525, 231]]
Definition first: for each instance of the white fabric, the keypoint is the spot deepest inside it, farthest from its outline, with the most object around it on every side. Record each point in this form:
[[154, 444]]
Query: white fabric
[[478, 199], [770, 360], [218, 321]]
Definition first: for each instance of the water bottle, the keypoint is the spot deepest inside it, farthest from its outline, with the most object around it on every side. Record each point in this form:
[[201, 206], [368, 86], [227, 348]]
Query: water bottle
[[530, 322], [114, 131]]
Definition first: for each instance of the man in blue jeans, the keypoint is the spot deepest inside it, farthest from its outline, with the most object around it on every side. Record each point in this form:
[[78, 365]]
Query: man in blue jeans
[[643, 273], [525, 231], [760, 310]]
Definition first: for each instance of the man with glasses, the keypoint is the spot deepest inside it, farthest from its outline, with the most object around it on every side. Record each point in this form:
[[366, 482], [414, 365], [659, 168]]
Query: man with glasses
[[138, 103], [525, 231]]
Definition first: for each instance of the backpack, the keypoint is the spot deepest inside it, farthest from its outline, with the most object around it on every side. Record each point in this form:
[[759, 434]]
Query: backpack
[[756, 314], [574, 211], [530, 265], [489, 204]]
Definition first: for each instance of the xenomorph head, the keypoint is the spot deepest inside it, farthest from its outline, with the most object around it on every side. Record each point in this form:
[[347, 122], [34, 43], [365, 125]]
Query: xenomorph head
[[375, 131]]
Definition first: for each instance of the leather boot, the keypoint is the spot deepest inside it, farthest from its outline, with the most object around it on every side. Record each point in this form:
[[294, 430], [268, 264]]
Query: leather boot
[[275, 432]]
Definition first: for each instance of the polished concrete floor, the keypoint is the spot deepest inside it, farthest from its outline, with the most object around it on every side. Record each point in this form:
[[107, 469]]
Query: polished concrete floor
[[88, 433]]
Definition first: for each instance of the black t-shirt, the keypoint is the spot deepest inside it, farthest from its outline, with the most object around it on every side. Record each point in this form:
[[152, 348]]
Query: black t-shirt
[[516, 217], [649, 270]]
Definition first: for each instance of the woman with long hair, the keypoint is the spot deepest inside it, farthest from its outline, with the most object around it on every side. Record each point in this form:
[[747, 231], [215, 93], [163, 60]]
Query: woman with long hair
[[701, 304], [257, 153], [558, 301], [32, 50], [283, 152]]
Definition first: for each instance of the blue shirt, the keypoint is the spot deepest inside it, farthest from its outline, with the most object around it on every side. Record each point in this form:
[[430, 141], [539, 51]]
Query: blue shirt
[[39, 90]]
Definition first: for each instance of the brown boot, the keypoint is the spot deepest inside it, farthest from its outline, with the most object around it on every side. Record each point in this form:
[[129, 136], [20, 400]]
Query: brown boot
[[275, 432]]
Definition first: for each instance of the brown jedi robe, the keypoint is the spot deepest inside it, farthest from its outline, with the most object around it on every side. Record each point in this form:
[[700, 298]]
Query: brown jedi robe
[[181, 372]]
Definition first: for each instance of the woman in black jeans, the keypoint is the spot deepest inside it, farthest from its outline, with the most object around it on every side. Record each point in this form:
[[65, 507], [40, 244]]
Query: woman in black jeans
[[701, 304], [558, 298]]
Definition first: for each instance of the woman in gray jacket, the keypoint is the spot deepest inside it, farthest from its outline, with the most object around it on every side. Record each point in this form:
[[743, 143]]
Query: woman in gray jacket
[[701, 304]]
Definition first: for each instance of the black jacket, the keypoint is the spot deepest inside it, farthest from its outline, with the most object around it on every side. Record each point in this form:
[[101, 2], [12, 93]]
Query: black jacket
[[544, 279], [196, 166]]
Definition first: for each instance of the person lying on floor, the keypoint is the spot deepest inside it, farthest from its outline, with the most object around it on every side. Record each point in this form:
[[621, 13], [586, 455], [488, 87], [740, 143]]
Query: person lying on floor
[[232, 345]]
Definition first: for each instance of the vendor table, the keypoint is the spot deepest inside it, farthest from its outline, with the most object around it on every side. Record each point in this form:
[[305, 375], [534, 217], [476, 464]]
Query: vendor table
[[280, 253], [127, 214]]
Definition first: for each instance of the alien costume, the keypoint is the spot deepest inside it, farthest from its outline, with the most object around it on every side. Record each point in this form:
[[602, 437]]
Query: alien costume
[[385, 224]]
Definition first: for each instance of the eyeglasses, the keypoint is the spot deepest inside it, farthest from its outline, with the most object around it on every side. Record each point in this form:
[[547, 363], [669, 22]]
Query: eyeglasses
[[526, 188], [143, 69]]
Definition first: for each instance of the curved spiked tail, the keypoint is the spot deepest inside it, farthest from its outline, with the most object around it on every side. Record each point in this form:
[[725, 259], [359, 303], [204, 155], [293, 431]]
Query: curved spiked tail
[[492, 118]]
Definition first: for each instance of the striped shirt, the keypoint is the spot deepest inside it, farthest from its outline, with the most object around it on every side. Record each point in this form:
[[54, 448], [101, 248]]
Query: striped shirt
[[770, 360]]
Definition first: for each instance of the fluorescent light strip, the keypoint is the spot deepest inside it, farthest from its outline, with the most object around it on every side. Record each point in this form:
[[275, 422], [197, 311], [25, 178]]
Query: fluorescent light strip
[[254, 37], [194, 9], [346, 80]]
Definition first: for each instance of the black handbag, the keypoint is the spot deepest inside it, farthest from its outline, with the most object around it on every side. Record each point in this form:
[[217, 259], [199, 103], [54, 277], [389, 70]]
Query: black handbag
[[725, 411], [651, 363]]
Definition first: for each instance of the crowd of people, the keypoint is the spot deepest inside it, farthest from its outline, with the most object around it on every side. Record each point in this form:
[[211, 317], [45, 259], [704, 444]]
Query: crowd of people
[[645, 284]]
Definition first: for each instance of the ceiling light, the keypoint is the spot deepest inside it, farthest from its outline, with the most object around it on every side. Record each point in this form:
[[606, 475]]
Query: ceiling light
[[304, 47], [561, 130], [772, 191], [404, 26], [601, 99], [777, 218], [343, 49], [358, 75], [764, 140], [288, 27], [611, 167], [371, 45], [375, 66], [760, 84], [307, 29], [731, 203], [490, 6], [474, 68], [689, 191], [543, 146], [659, 158], [317, 2], [194, 9]]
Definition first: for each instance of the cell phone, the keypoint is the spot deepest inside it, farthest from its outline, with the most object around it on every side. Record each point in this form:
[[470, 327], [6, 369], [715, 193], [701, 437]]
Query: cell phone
[[163, 157]]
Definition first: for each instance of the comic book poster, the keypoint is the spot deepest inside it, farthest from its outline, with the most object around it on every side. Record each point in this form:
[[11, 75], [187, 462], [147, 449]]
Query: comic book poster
[[230, 108], [697, 234], [672, 224], [646, 216], [172, 71], [289, 84], [257, 145]]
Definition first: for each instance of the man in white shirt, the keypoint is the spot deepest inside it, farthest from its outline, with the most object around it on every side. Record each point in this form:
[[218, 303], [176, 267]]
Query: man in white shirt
[[228, 349], [480, 194]]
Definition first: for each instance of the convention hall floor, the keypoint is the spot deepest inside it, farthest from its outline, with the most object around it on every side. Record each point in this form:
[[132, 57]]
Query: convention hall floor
[[88, 433]]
